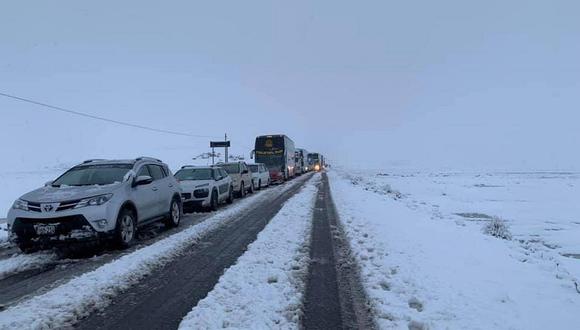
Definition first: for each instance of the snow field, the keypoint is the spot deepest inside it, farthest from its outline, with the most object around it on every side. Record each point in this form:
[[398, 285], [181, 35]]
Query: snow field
[[66, 304], [264, 289], [421, 272]]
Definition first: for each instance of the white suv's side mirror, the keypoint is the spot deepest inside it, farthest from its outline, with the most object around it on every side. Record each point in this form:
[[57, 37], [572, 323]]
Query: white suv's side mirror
[[142, 180], [48, 183]]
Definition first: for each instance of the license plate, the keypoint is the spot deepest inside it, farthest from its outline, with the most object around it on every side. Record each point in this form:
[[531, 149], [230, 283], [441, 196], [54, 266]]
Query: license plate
[[45, 229]]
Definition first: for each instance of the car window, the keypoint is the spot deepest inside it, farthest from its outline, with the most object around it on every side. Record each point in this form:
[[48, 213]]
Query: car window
[[144, 171], [193, 174], [93, 175], [165, 171], [216, 174], [156, 172], [223, 172], [231, 168], [254, 168]]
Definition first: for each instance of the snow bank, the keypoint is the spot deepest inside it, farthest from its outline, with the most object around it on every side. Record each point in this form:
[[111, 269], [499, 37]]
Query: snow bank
[[69, 302], [264, 288], [23, 262], [420, 271]]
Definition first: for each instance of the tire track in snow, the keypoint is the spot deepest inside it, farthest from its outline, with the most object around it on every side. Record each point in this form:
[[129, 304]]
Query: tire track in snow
[[264, 288]]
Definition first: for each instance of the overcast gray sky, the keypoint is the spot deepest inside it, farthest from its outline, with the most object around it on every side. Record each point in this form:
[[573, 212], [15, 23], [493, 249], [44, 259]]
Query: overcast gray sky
[[454, 84]]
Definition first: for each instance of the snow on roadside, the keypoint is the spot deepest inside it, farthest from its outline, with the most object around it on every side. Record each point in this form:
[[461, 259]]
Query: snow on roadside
[[3, 232], [264, 288], [22, 262], [423, 273], [91, 291]]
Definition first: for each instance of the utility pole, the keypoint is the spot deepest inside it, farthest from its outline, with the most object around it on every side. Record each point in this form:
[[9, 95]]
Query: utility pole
[[226, 140], [213, 156]]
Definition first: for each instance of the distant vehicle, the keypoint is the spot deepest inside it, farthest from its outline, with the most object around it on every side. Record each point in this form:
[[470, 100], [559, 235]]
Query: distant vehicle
[[241, 177], [204, 187], [260, 175], [98, 200], [277, 153], [301, 161], [315, 161]]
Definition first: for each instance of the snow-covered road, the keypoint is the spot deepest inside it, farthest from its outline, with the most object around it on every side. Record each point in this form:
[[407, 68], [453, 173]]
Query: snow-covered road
[[264, 288], [80, 296]]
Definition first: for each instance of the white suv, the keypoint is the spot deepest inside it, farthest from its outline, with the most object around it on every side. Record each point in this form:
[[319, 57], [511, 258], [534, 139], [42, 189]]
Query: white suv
[[260, 175], [241, 177], [95, 201], [204, 186]]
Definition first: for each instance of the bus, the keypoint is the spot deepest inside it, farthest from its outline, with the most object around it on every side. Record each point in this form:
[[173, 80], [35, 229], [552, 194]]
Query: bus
[[301, 161], [315, 161], [278, 154]]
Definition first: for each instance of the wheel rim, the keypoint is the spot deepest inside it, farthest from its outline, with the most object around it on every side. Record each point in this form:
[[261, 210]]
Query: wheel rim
[[127, 229], [175, 213], [243, 189]]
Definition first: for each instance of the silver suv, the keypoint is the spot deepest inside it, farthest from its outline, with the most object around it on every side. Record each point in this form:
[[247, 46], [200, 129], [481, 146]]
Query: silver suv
[[98, 200], [241, 177]]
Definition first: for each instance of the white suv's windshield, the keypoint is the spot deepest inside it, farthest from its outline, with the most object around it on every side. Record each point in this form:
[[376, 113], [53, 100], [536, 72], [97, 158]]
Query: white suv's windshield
[[254, 168], [88, 175], [194, 174]]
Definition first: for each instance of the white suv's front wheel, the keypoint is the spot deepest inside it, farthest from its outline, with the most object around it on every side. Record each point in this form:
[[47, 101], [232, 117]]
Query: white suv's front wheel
[[126, 229]]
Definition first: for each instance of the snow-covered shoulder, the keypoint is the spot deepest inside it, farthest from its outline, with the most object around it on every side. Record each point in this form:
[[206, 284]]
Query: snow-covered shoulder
[[264, 289], [422, 272]]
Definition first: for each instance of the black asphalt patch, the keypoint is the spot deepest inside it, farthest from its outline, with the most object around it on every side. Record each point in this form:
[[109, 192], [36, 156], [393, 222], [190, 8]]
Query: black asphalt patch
[[334, 298], [165, 297]]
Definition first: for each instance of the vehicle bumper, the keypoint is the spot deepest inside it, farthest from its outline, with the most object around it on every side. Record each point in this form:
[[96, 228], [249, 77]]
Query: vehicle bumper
[[193, 202], [100, 219], [276, 177], [67, 229]]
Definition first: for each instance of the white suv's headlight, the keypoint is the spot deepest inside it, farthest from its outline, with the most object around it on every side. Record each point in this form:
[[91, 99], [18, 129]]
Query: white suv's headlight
[[94, 201], [19, 204]]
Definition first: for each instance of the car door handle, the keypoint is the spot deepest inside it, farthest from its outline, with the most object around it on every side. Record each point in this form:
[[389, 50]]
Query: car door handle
[[171, 185], [154, 188]]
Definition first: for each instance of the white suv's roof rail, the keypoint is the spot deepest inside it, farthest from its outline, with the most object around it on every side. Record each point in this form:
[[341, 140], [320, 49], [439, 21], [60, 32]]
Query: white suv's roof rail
[[148, 158], [93, 160]]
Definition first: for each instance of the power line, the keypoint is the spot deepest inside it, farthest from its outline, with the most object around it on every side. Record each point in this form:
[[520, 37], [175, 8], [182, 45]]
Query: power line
[[86, 115]]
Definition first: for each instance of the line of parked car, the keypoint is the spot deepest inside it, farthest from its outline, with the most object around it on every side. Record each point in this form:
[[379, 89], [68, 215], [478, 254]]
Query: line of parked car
[[102, 201]]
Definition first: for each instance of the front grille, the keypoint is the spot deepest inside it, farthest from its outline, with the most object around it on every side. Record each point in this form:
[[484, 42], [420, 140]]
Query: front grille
[[67, 205], [201, 193], [186, 195], [34, 207], [63, 206]]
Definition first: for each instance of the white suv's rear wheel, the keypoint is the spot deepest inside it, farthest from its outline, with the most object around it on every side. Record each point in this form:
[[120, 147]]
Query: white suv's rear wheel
[[242, 190], [174, 216]]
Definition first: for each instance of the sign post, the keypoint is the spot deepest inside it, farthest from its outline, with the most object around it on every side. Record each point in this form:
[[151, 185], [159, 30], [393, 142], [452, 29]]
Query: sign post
[[219, 144], [226, 140]]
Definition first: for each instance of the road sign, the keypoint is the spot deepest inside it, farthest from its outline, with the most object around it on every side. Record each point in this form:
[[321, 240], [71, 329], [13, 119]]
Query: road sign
[[219, 144]]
